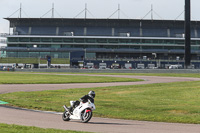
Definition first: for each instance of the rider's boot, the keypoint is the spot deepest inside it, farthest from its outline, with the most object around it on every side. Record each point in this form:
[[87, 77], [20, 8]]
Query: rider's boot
[[71, 110]]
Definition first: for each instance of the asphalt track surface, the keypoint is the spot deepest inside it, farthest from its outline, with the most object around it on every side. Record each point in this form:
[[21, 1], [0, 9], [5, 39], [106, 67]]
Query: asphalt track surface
[[42, 119]]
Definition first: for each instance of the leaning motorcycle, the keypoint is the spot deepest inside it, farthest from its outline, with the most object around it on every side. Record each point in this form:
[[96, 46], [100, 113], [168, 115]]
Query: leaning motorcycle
[[82, 112]]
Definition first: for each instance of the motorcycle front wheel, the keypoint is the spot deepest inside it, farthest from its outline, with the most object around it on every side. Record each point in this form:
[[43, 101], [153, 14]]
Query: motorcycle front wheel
[[65, 116], [85, 117]]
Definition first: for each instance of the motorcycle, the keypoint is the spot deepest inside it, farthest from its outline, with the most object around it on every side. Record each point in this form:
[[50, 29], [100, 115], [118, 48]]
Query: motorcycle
[[81, 112]]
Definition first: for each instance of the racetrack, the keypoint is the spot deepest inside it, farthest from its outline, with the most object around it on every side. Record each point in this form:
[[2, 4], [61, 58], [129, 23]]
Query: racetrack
[[51, 120]]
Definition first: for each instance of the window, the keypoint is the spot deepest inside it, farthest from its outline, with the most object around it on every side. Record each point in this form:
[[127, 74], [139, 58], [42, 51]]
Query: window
[[198, 42], [123, 47], [68, 40], [13, 39], [193, 42], [102, 40], [113, 40], [23, 54], [79, 40], [110, 46], [35, 39], [155, 41], [92, 46], [13, 45], [78, 46], [169, 41], [34, 54], [135, 41], [66, 46], [90, 40], [195, 48], [91, 55], [57, 40], [134, 47], [124, 40], [46, 39], [44, 46], [24, 39], [179, 42], [147, 41]]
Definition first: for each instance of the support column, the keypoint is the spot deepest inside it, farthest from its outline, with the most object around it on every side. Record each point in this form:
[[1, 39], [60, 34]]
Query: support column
[[85, 31], [187, 34], [141, 34], [195, 33], [57, 31], [113, 31], [168, 32], [29, 30]]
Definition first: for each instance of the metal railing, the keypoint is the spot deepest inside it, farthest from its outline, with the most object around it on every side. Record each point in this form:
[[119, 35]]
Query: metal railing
[[4, 35]]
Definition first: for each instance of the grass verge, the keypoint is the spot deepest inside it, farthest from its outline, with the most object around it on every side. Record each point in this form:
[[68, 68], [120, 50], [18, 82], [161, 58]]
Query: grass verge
[[27, 78], [194, 75], [5, 128], [167, 102]]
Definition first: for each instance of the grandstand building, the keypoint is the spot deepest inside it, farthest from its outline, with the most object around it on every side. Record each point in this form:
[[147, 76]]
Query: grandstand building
[[125, 43], [2, 44]]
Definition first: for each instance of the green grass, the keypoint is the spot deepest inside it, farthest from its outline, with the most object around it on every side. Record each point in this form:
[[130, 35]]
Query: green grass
[[27, 78], [167, 102], [5, 128], [194, 75]]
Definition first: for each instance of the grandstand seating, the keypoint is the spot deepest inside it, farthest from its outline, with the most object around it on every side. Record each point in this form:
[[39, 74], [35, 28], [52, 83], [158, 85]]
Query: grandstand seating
[[151, 32], [145, 30], [103, 27], [99, 31], [105, 31], [22, 30], [135, 32], [198, 32], [192, 33], [77, 31], [43, 30], [176, 32]]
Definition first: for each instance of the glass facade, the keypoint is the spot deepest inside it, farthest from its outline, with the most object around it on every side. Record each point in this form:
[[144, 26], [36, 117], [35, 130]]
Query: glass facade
[[2, 54], [100, 40], [38, 54], [107, 43], [95, 47]]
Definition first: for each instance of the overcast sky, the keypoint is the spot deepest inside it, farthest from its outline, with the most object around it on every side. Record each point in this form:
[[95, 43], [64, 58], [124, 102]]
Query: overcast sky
[[134, 9]]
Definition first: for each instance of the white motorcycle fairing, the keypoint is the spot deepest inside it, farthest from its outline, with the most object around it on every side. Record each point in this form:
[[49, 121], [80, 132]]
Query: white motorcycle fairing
[[88, 106]]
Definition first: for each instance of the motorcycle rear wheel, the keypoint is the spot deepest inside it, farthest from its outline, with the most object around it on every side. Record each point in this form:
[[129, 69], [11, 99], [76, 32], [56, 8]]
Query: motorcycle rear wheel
[[65, 116], [85, 118]]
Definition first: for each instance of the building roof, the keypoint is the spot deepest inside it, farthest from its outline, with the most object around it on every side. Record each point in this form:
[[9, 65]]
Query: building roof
[[96, 22]]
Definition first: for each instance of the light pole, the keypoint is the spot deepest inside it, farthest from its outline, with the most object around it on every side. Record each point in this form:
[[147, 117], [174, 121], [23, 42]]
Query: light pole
[[187, 34]]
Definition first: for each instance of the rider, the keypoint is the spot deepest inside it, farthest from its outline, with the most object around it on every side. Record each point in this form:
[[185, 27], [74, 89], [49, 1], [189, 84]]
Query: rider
[[90, 96]]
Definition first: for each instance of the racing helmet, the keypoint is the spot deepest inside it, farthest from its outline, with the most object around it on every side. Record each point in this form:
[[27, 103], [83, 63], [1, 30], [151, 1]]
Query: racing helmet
[[91, 94]]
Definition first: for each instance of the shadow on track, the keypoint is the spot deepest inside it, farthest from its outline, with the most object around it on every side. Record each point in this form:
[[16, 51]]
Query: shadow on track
[[106, 123]]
